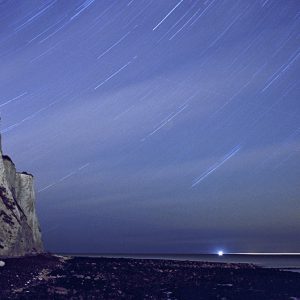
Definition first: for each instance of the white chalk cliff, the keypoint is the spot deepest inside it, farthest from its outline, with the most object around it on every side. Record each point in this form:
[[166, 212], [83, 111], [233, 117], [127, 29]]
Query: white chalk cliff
[[19, 227]]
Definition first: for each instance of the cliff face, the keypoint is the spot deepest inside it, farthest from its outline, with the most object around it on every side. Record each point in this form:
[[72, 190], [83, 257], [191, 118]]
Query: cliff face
[[19, 228]]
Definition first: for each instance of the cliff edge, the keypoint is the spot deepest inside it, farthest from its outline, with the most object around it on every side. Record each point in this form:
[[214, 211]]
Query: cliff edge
[[19, 227]]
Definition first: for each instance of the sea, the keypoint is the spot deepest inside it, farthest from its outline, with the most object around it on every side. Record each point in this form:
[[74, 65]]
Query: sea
[[289, 262]]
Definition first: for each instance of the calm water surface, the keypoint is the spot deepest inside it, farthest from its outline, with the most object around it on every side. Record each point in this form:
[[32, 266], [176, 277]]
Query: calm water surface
[[291, 262]]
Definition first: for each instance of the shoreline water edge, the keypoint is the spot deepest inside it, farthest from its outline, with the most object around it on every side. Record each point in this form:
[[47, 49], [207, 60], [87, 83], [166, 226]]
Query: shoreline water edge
[[84, 277]]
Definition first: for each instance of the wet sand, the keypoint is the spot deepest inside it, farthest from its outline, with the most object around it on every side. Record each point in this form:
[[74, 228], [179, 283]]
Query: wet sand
[[61, 277]]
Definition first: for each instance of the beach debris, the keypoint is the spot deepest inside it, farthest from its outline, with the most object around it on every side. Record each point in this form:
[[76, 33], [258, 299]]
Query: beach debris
[[2, 263]]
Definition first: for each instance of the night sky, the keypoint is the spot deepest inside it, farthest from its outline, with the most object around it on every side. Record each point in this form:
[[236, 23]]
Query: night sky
[[156, 125]]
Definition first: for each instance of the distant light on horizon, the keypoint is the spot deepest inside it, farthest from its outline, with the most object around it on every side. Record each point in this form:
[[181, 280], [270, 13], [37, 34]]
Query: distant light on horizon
[[265, 253], [156, 125]]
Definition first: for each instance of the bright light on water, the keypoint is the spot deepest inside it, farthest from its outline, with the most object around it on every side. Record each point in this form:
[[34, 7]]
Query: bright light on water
[[220, 253]]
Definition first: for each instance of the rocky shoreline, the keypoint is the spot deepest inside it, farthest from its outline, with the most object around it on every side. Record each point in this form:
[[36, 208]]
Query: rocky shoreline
[[61, 277]]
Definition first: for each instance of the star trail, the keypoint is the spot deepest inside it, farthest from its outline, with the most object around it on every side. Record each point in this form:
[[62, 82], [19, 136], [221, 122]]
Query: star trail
[[156, 126]]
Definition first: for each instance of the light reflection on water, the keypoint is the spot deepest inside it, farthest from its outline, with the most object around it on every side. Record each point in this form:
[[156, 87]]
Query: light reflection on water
[[268, 261]]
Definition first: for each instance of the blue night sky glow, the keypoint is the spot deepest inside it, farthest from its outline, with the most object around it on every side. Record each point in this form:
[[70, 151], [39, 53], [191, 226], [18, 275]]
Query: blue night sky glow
[[156, 126]]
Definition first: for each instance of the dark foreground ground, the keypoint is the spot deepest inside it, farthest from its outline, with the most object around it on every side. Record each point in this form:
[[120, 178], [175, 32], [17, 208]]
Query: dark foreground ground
[[51, 277]]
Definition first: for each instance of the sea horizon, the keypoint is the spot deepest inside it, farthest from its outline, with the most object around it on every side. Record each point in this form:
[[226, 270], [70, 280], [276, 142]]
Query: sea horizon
[[289, 261]]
